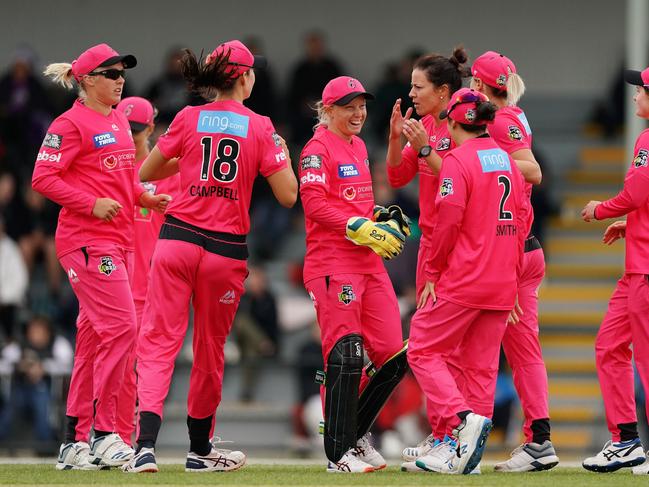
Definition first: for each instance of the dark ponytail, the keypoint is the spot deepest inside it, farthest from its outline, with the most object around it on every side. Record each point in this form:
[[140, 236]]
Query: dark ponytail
[[485, 111], [206, 78], [441, 70]]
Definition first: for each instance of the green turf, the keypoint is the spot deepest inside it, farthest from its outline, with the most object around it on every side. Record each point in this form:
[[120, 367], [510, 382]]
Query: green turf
[[289, 475]]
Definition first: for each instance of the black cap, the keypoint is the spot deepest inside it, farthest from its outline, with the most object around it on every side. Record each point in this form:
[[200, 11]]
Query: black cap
[[350, 96], [128, 60]]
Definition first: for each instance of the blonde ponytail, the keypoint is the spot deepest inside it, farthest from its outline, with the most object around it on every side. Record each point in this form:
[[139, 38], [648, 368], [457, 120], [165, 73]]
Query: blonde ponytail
[[322, 115], [60, 73], [515, 89]]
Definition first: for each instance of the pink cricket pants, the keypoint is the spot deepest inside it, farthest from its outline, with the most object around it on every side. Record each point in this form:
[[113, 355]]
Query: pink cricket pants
[[436, 331], [364, 304], [626, 322], [180, 272], [100, 279]]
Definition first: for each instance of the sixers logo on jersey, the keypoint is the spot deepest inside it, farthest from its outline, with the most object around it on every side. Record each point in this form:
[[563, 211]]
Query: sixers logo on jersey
[[106, 266], [346, 296], [446, 188], [641, 159], [515, 133], [443, 144]]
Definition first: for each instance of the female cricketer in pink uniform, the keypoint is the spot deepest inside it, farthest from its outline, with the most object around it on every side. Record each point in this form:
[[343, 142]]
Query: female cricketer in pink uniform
[[140, 114], [85, 164], [495, 75], [471, 276], [626, 322], [343, 271], [201, 253], [434, 80]]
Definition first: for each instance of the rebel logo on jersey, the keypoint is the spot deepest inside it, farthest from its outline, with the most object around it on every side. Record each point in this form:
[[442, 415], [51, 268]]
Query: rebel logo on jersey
[[346, 295], [47, 157], [106, 265], [313, 178]]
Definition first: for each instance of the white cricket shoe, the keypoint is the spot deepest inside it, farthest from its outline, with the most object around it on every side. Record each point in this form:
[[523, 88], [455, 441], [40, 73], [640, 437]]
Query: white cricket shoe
[[365, 452], [75, 456], [642, 469], [440, 457], [615, 456], [143, 461], [411, 453], [471, 436], [530, 457], [217, 460], [110, 450], [349, 463]]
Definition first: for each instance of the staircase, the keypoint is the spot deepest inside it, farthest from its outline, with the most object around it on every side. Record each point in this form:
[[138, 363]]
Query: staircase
[[581, 274]]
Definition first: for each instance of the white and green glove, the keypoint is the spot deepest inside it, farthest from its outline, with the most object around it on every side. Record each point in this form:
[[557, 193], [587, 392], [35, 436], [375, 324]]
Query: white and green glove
[[384, 238]]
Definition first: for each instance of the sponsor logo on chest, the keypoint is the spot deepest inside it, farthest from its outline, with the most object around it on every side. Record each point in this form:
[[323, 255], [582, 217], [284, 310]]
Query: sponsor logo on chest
[[356, 192], [102, 140], [117, 160], [347, 170]]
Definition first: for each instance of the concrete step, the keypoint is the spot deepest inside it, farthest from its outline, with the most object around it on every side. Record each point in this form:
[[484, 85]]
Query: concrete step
[[583, 245], [570, 366], [604, 175], [578, 320], [571, 293], [585, 271], [603, 155], [575, 389]]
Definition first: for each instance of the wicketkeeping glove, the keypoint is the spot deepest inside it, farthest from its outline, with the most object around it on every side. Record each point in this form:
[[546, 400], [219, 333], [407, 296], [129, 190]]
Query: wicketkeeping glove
[[383, 238], [393, 212]]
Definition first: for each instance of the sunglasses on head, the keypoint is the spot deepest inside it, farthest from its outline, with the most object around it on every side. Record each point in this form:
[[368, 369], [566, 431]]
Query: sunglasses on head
[[465, 98], [110, 73]]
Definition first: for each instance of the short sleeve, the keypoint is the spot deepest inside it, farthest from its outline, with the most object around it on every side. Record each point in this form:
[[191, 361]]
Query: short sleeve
[[170, 144], [272, 156], [510, 134]]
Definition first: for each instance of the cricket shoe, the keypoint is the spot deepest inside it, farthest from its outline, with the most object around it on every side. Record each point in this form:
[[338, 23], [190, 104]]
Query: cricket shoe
[[642, 469], [217, 460], [75, 456], [411, 453], [615, 456], [365, 452], [349, 463], [530, 457], [110, 450], [439, 458], [143, 461]]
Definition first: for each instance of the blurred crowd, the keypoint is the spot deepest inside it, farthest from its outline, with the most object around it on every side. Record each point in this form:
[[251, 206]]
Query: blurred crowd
[[38, 308]]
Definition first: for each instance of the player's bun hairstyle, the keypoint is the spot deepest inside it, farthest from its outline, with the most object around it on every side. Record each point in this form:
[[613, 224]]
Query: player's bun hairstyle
[[485, 111], [441, 70], [206, 78], [61, 74]]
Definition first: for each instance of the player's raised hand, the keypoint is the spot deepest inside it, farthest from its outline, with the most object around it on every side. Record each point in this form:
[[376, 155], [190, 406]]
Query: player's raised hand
[[615, 231], [588, 213], [397, 119], [106, 209], [416, 134]]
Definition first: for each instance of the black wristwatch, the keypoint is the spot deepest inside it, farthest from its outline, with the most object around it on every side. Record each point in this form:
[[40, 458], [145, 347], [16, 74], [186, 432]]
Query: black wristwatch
[[425, 151]]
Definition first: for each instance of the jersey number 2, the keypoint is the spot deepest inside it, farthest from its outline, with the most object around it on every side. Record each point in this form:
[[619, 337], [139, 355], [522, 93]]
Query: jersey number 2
[[225, 166], [507, 189]]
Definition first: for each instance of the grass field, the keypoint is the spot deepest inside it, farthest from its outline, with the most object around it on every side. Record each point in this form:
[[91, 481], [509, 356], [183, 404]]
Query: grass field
[[290, 475]]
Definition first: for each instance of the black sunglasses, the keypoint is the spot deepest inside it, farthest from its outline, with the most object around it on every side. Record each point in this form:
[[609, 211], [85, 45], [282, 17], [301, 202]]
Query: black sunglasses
[[110, 73]]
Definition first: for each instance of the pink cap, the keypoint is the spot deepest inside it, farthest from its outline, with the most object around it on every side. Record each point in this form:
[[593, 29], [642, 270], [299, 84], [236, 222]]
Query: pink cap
[[240, 59], [463, 105], [139, 112], [493, 69], [99, 56], [638, 78], [342, 90]]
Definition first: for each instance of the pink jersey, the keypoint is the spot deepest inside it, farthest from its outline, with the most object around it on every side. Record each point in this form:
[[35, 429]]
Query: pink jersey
[[512, 132], [222, 147], [479, 235], [633, 201], [147, 228], [84, 156], [411, 164], [335, 184]]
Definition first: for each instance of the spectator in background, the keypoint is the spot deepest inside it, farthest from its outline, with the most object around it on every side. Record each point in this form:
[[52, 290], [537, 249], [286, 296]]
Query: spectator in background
[[13, 282], [308, 79], [263, 99], [38, 357], [257, 329], [24, 113], [168, 92]]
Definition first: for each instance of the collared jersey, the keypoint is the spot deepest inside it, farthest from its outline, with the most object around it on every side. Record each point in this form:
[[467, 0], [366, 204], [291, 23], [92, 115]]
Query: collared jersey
[[411, 165], [633, 201], [147, 225], [512, 132], [87, 155], [479, 235], [222, 147], [335, 185]]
